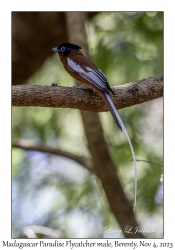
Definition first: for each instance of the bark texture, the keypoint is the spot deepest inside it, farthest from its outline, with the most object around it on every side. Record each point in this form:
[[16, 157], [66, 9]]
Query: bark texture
[[65, 97]]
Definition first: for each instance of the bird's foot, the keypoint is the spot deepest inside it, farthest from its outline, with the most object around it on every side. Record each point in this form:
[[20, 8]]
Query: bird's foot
[[79, 88]]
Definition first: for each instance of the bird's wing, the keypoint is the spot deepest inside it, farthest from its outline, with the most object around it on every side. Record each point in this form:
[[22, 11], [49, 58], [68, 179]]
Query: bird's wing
[[92, 75]]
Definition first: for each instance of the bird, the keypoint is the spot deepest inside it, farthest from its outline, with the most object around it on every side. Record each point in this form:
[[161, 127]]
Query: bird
[[84, 70]]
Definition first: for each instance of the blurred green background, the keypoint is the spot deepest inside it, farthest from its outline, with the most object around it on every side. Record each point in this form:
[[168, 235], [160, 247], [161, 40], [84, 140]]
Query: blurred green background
[[58, 193]]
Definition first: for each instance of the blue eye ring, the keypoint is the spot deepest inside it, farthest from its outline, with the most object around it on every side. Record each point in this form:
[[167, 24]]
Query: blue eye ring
[[63, 49]]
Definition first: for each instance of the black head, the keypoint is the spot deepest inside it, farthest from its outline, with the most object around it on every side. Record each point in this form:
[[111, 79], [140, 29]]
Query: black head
[[66, 48]]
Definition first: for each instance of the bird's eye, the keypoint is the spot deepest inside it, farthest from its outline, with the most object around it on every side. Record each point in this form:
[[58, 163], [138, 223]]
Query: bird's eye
[[63, 49]]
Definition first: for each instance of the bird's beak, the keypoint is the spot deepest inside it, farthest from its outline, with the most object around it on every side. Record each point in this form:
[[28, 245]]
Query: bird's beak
[[55, 49]]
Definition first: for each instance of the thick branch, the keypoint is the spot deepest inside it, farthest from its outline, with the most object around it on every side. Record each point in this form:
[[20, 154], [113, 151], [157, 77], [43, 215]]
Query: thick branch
[[32, 146], [65, 97]]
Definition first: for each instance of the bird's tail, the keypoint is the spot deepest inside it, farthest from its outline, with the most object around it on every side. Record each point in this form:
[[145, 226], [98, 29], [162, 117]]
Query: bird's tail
[[107, 99]]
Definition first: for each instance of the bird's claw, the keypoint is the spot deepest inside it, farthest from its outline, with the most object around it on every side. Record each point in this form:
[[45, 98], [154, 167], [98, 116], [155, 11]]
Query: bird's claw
[[79, 88]]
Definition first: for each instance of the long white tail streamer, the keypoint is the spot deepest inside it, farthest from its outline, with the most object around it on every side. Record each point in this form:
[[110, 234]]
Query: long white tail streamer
[[117, 118]]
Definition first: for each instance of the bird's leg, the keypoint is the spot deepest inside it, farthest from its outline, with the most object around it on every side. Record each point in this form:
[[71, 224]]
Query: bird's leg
[[86, 89], [80, 87]]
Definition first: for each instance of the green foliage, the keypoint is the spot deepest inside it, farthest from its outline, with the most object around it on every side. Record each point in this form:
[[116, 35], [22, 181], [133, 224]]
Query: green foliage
[[58, 193], [129, 46]]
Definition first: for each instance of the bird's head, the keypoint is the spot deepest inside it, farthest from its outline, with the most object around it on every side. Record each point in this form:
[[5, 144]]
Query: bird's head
[[65, 48]]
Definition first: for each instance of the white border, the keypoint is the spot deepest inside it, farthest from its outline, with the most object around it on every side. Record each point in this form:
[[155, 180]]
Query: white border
[[5, 94]]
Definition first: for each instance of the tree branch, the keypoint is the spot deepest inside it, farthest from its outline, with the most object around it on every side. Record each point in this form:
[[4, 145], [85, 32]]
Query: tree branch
[[65, 97], [151, 162], [32, 231], [33, 146]]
